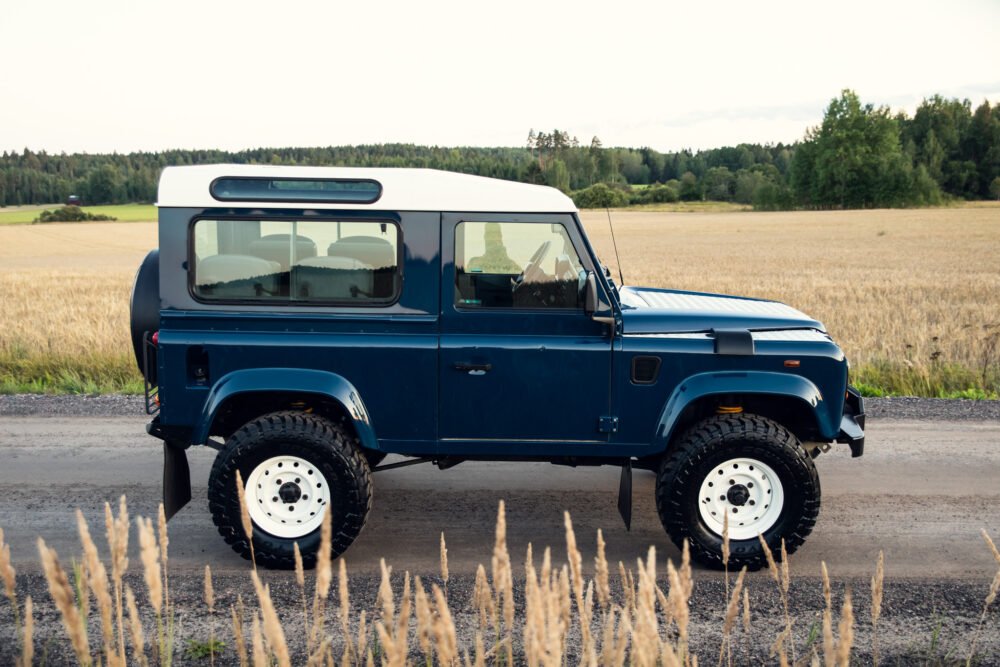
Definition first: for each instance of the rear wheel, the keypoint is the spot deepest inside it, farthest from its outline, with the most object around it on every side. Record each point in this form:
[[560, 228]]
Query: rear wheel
[[744, 467], [295, 468]]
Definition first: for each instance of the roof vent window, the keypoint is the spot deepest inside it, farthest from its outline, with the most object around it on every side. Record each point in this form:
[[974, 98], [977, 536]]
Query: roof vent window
[[323, 190]]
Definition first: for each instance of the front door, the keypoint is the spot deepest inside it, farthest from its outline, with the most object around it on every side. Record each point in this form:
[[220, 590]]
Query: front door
[[520, 361]]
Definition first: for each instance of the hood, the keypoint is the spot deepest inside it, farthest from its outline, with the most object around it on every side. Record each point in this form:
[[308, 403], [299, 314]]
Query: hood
[[653, 311]]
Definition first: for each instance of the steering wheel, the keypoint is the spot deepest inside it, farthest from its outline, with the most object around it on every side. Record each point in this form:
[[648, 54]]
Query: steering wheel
[[533, 269]]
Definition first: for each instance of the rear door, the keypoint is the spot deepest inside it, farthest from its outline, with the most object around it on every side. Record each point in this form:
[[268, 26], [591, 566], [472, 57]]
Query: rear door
[[522, 367]]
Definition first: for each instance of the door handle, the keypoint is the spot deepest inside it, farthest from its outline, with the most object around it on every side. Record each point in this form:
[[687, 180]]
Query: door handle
[[473, 369]]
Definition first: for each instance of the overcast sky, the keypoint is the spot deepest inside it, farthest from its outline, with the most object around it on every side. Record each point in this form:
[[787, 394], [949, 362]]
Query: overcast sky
[[105, 75]]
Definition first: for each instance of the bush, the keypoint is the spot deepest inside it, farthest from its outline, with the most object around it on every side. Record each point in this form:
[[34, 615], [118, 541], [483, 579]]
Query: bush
[[600, 195], [71, 214], [658, 193]]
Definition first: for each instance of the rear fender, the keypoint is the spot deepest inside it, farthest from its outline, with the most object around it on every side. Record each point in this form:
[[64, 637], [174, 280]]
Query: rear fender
[[297, 381], [758, 383]]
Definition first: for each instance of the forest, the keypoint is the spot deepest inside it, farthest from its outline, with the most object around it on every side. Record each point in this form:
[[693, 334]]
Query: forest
[[860, 156]]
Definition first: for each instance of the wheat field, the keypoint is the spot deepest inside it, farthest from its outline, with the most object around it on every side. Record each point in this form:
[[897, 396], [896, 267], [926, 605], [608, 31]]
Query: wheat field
[[913, 296]]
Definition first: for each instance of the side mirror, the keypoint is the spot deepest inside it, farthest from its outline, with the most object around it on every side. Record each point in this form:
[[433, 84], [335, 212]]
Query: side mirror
[[590, 294]]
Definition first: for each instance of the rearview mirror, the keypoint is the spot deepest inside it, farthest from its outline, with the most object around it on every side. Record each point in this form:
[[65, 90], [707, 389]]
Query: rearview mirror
[[590, 294]]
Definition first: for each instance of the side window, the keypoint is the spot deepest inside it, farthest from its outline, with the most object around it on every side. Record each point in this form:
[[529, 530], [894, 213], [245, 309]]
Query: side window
[[296, 262], [516, 265]]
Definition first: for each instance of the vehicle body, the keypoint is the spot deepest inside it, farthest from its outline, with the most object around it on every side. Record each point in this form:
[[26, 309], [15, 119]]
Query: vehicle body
[[74, 200], [303, 315]]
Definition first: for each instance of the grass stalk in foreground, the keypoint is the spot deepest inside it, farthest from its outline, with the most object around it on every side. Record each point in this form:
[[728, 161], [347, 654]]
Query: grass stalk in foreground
[[648, 627]]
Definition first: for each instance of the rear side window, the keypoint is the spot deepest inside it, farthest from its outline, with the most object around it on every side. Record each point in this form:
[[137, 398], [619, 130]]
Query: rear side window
[[296, 262]]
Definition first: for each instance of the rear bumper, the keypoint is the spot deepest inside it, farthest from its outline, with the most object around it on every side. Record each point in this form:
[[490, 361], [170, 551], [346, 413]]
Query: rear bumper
[[852, 423]]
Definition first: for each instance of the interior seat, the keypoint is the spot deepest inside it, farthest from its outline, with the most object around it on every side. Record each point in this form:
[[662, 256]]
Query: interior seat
[[373, 251], [276, 247], [377, 253]]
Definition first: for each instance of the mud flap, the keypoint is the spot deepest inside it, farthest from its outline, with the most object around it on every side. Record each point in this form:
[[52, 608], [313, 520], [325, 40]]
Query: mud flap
[[176, 479], [625, 495]]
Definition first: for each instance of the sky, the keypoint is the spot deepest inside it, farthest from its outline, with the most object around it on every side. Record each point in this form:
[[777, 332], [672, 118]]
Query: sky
[[130, 75]]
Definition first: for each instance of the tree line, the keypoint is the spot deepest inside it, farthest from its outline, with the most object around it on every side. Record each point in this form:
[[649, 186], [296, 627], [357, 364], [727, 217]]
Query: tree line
[[859, 156]]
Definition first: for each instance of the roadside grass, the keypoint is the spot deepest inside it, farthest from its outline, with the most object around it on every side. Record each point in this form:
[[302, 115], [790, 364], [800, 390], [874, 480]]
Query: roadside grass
[[617, 616], [71, 376], [933, 380], [123, 213]]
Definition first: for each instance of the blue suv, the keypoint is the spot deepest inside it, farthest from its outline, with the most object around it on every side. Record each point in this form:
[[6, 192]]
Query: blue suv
[[306, 322]]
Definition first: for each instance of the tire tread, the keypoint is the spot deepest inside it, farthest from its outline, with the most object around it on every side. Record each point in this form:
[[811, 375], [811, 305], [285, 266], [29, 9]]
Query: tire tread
[[330, 439], [696, 445]]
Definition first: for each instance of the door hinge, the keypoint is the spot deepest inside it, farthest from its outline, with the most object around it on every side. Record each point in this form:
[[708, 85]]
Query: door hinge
[[607, 425]]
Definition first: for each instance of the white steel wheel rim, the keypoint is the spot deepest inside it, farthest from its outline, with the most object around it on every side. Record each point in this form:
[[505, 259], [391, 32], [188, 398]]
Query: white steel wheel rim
[[287, 496], [746, 490]]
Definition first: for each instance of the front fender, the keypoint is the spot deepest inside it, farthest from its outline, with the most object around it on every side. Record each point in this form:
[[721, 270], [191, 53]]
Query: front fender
[[289, 380], [750, 382]]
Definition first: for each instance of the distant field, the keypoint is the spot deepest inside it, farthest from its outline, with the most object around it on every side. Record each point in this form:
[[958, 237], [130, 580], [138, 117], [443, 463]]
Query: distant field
[[912, 295], [124, 213]]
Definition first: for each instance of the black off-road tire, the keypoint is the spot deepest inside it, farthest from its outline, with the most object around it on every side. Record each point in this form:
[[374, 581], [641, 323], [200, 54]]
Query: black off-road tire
[[327, 445], [716, 440]]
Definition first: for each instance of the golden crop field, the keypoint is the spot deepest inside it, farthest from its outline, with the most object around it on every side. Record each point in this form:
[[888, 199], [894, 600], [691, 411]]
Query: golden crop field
[[913, 296]]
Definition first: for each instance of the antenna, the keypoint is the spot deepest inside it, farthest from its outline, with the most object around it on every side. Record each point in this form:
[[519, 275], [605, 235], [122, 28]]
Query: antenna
[[615, 244]]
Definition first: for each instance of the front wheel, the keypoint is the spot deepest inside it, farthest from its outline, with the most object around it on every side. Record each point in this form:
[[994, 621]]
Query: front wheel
[[295, 467], [744, 467]]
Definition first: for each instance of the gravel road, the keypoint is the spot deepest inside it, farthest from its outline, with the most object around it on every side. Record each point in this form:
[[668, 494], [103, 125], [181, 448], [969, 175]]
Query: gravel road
[[929, 481], [117, 405]]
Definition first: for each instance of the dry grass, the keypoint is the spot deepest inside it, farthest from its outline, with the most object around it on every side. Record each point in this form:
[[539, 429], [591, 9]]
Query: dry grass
[[557, 618], [913, 296]]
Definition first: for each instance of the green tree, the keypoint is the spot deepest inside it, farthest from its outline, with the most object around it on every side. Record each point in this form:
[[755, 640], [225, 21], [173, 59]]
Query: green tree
[[690, 189], [746, 182], [995, 188], [718, 184], [858, 159], [557, 175], [103, 185]]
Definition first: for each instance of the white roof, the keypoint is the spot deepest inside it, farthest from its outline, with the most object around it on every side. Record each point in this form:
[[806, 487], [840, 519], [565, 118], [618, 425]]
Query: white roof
[[402, 189]]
